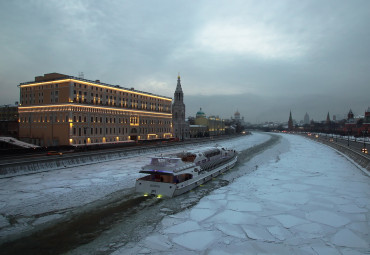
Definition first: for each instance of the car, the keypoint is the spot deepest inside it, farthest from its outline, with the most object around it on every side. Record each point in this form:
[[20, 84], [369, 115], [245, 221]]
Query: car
[[51, 153], [364, 150]]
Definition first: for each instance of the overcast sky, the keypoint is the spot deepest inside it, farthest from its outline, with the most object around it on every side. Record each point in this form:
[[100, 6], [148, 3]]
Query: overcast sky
[[263, 58]]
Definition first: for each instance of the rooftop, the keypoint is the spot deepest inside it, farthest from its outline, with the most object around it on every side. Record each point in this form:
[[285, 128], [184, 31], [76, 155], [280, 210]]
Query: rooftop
[[57, 76]]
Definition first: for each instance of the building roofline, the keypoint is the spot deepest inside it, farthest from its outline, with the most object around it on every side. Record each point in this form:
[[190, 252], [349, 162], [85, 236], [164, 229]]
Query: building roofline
[[67, 77]]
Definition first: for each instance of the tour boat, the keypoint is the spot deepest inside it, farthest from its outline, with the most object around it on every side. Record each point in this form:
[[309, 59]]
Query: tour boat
[[176, 174]]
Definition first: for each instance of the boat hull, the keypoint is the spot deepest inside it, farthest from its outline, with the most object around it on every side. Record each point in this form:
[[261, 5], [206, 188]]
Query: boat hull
[[172, 189]]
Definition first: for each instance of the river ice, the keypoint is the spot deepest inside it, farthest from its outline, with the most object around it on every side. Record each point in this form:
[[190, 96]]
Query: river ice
[[28, 201], [311, 200]]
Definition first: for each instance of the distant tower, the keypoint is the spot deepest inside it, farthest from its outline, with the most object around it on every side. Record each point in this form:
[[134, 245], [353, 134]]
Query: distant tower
[[290, 122], [237, 115], [350, 114], [367, 116], [180, 127], [306, 119], [328, 119]]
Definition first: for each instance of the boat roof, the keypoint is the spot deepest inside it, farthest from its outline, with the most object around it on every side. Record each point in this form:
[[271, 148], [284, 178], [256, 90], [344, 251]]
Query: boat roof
[[166, 165]]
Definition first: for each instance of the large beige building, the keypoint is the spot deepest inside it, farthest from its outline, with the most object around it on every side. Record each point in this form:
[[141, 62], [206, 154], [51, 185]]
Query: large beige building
[[58, 109], [215, 125]]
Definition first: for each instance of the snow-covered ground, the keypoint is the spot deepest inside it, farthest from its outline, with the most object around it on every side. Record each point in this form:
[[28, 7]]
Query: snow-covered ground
[[30, 200], [309, 200]]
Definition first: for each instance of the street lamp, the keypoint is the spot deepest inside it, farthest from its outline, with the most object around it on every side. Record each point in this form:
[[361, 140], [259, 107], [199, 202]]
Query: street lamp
[[363, 135], [348, 133]]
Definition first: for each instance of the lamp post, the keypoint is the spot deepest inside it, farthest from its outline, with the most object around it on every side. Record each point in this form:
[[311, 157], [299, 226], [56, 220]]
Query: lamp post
[[363, 135], [349, 132]]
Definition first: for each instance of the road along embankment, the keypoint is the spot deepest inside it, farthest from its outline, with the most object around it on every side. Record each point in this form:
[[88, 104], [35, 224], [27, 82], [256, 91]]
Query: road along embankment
[[360, 158], [16, 167]]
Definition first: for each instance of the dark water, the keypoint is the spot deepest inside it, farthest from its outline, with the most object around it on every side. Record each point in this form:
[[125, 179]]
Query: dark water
[[122, 220]]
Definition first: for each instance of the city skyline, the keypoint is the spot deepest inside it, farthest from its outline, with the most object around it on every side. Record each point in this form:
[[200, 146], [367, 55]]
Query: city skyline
[[262, 58]]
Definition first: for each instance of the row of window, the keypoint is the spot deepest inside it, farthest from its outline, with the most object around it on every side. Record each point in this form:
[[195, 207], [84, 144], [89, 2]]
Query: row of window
[[124, 104], [83, 131], [41, 87], [113, 91], [133, 120]]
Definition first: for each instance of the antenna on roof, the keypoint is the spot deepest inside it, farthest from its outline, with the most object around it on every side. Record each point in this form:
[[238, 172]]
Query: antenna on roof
[[81, 75]]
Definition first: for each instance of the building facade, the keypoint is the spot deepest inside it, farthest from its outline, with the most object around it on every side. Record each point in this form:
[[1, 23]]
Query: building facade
[[58, 109], [179, 125], [215, 125]]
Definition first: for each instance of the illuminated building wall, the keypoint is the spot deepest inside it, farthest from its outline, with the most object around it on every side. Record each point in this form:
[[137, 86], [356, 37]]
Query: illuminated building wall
[[56, 109], [215, 125]]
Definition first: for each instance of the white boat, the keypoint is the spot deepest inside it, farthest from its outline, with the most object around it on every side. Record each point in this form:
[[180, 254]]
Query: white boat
[[176, 174]]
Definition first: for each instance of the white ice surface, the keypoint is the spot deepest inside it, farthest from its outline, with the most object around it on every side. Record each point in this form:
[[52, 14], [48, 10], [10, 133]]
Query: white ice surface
[[310, 200], [34, 199]]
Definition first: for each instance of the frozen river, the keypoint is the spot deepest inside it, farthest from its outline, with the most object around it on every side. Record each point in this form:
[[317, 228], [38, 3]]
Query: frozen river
[[297, 197]]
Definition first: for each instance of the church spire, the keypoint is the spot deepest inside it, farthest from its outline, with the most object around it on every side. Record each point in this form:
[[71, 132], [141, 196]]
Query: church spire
[[178, 95], [178, 87], [290, 121], [328, 119]]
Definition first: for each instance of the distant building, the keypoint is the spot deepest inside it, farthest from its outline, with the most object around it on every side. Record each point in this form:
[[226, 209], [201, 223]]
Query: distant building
[[215, 125], [306, 119], [237, 118], [350, 115], [179, 125], [290, 122], [237, 115], [367, 116], [57, 109], [328, 119]]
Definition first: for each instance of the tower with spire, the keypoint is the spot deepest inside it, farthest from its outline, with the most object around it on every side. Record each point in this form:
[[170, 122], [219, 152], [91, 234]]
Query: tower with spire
[[290, 122], [179, 125], [306, 119], [328, 119]]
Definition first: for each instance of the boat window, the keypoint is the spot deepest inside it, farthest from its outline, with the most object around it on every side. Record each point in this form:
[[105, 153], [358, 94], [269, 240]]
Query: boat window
[[188, 158], [183, 177], [212, 153]]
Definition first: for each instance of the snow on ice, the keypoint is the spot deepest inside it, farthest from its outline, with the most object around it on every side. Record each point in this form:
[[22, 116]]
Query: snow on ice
[[26, 198], [310, 201], [307, 199]]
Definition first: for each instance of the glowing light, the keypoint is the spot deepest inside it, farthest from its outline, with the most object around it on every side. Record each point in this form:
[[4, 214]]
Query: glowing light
[[159, 196], [145, 195], [96, 85], [24, 108]]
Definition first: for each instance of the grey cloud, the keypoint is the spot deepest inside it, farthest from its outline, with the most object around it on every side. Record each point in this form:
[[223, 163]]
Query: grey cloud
[[144, 44]]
